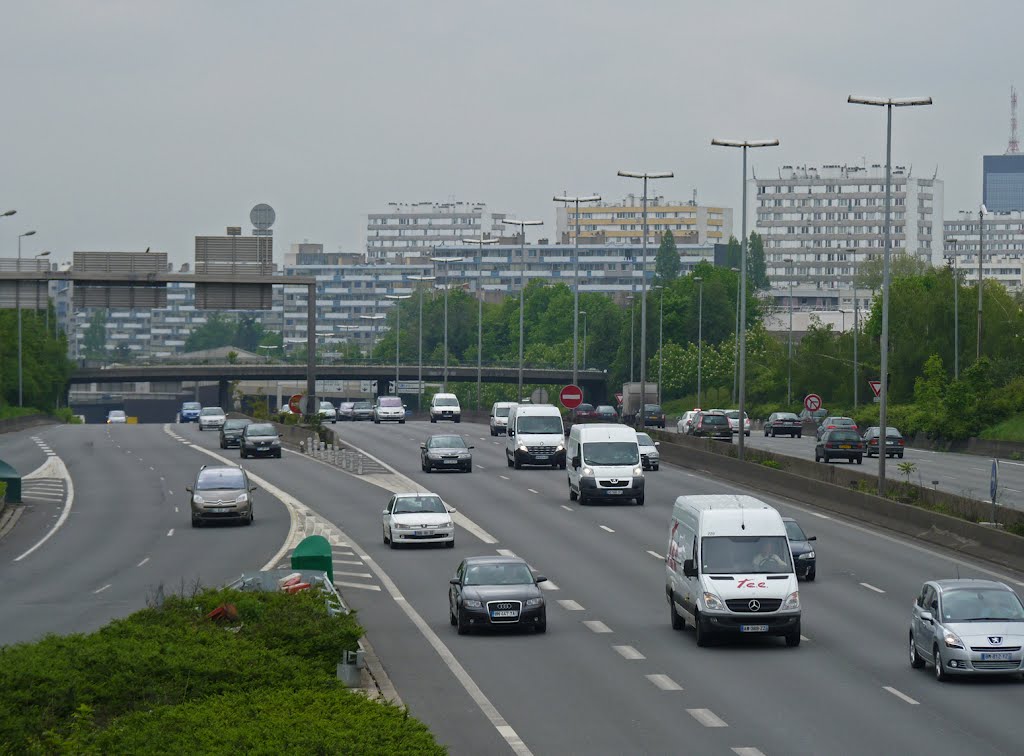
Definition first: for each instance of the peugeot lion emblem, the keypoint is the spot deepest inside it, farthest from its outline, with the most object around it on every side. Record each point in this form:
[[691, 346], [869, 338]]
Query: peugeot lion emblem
[[995, 640], [755, 605]]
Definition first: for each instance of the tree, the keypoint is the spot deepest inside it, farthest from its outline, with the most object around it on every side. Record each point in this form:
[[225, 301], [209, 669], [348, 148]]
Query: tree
[[666, 267], [95, 342], [248, 334], [218, 330], [757, 269]]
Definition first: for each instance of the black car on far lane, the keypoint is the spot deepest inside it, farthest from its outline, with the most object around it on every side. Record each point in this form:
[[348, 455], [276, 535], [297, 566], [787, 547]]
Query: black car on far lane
[[446, 451], [654, 415], [231, 432], [605, 413], [260, 440], [840, 443], [496, 592], [713, 425], [804, 558], [894, 441], [584, 413], [783, 424]]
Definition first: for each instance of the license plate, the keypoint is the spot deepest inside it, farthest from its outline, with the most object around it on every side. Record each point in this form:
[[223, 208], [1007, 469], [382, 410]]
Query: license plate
[[263, 448], [451, 461], [615, 492], [421, 532], [845, 446], [753, 628], [220, 509], [539, 457], [995, 657], [504, 613]]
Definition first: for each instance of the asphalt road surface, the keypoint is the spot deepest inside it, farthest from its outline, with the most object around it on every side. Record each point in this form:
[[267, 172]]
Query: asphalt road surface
[[610, 676]]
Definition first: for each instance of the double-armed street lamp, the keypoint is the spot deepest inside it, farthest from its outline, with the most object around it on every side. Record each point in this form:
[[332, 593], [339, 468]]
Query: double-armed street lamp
[[397, 298], [447, 261], [700, 333], [742, 335], [956, 311], [479, 313], [789, 377], [373, 329], [522, 287], [17, 304], [584, 314], [576, 281], [419, 369], [888, 103]]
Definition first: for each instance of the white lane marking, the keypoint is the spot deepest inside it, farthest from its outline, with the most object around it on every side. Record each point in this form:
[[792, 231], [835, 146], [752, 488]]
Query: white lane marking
[[547, 585], [358, 585], [142, 562], [567, 509], [824, 517], [872, 588], [901, 696], [570, 605], [664, 682], [597, 626], [161, 477], [175, 509], [628, 652], [57, 465], [804, 638], [170, 532], [504, 477], [655, 554], [345, 553], [707, 717], [41, 496], [100, 590], [605, 527], [532, 490], [353, 574], [347, 561], [506, 552], [170, 493], [480, 467], [747, 751]]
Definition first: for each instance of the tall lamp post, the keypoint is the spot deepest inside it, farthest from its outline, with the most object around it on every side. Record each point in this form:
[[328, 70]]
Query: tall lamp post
[[744, 145], [700, 333], [645, 176], [736, 342], [479, 313], [956, 313], [419, 369], [789, 376], [522, 287], [17, 304], [397, 298], [446, 261], [584, 314], [981, 273], [576, 282], [40, 256], [632, 329], [373, 329], [661, 334], [856, 324], [883, 394]]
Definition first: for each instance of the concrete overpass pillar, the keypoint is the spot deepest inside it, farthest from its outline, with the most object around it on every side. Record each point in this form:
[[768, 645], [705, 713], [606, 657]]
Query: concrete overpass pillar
[[224, 395]]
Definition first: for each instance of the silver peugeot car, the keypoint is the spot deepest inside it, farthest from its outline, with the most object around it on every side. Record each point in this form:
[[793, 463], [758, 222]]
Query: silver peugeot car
[[967, 627]]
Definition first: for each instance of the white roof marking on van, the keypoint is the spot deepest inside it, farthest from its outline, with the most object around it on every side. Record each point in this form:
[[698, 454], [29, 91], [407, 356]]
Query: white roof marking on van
[[733, 513]]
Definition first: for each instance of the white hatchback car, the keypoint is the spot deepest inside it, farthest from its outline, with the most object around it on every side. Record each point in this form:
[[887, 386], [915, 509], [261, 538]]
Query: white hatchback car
[[650, 457], [418, 518], [211, 418], [685, 423]]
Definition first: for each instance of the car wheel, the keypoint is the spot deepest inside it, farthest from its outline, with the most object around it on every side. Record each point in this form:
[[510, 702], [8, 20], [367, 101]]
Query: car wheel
[[428, 468], [817, 457], [940, 671], [678, 621], [703, 636], [583, 499], [542, 626], [461, 625], [469, 467], [433, 419], [401, 422], [385, 536], [747, 434], [655, 468], [900, 455], [196, 523], [451, 617], [243, 454], [516, 463], [811, 574], [508, 460], [250, 518], [391, 541], [793, 637], [450, 544], [860, 460], [826, 458], [376, 421], [915, 658], [639, 501], [799, 435], [572, 494]]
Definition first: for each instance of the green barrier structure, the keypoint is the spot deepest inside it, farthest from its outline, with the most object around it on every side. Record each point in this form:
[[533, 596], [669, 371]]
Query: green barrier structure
[[314, 553], [12, 478]]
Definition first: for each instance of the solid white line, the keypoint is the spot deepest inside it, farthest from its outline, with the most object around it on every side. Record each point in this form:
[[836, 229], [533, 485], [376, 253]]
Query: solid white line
[[567, 509], [142, 562], [345, 553], [597, 626], [151, 467], [504, 477], [570, 605], [872, 588], [175, 509], [100, 590], [170, 532], [59, 464], [480, 467], [901, 696], [39, 495], [547, 585], [347, 561], [706, 717], [353, 574], [532, 491], [655, 554], [506, 552], [824, 517], [605, 527], [747, 752], [628, 652], [170, 493], [358, 585], [664, 682]]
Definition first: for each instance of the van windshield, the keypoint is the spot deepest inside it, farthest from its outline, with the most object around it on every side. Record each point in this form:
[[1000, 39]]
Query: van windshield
[[611, 453], [539, 424], [725, 555], [446, 401]]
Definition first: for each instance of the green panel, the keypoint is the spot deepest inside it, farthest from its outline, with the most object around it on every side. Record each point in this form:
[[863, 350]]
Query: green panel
[[314, 553], [12, 478]]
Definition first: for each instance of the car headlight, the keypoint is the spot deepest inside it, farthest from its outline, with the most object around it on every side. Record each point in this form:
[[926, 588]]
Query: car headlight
[[792, 601], [197, 499], [588, 472], [242, 498], [276, 442], [953, 640], [472, 604], [522, 446], [711, 601], [809, 555], [560, 447], [432, 455], [534, 601], [638, 471], [463, 455]]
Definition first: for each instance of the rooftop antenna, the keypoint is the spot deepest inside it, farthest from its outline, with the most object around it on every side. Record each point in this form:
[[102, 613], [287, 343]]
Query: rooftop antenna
[[1014, 147]]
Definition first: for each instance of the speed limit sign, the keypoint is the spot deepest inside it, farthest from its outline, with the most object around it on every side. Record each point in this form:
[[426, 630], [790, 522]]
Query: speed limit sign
[[812, 402]]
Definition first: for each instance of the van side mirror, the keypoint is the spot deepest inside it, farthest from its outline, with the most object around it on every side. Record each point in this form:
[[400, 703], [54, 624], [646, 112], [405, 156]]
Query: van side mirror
[[540, 579], [688, 569], [423, 446], [576, 461], [471, 446], [657, 443], [188, 489], [455, 581]]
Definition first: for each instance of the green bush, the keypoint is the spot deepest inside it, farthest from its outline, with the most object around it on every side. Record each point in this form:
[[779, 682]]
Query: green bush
[[66, 415], [3, 489]]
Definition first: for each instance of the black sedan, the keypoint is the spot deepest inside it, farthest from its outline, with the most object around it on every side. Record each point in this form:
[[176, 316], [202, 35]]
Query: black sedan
[[654, 415], [444, 451], [783, 424], [231, 432], [804, 558], [605, 413], [894, 441], [713, 425], [585, 413], [496, 592], [840, 444], [260, 440]]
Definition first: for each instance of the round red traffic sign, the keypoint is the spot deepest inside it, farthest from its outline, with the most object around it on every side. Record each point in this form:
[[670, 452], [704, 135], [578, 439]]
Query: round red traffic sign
[[571, 396], [295, 403], [812, 402]]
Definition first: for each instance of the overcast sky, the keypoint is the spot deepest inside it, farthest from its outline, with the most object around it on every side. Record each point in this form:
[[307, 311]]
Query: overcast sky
[[130, 124]]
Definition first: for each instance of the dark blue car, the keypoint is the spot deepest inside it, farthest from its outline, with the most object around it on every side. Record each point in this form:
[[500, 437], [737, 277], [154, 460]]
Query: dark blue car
[[804, 558], [189, 412]]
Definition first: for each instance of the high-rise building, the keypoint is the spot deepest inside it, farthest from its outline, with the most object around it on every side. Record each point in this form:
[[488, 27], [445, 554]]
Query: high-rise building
[[413, 230], [1003, 183], [1003, 247], [622, 222]]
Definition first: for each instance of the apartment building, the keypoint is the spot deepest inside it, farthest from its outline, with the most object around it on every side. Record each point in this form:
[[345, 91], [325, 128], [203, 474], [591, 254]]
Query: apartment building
[[404, 230], [1002, 244], [622, 222]]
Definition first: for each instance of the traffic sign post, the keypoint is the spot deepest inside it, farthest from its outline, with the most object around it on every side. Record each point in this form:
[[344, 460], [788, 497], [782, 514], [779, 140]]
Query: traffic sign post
[[296, 403], [539, 396], [993, 488], [812, 402], [876, 387], [571, 396]]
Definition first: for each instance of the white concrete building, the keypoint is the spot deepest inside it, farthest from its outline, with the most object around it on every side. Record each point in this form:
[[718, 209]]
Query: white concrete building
[[404, 230], [622, 222], [1003, 247]]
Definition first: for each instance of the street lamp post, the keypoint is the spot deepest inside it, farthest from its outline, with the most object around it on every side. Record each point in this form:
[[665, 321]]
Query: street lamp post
[[981, 256], [645, 176], [397, 298], [661, 336], [744, 145], [522, 287], [17, 304], [419, 369], [632, 329], [584, 314], [856, 325], [736, 342], [576, 282], [373, 329], [480, 314], [40, 256], [956, 313], [446, 261], [789, 376], [700, 334], [883, 394]]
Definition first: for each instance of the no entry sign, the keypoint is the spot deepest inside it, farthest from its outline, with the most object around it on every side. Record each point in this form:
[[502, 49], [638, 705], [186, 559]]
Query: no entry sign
[[571, 396]]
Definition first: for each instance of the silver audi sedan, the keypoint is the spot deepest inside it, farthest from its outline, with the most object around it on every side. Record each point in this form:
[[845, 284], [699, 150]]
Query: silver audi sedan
[[967, 627]]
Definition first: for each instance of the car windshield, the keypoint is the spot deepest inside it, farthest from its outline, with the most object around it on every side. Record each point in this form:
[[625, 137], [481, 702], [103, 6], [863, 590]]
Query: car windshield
[[235, 424], [715, 420], [220, 480], [498, 574], [446, 442], [362, 405], [346, 405], [786, 416], [326, 405], [726, 555], [610, 453], [501, 411], [539, 424], [446, 401], [794, 532], [606, 409], [890, 432], [260, 429], [116, 413], [389, 401], [981, 604], [652, 408], [191, 406], [419, 504], [585, 408], [212, 411], [734, 414], [644, 440], [841, 421], [843, 436]]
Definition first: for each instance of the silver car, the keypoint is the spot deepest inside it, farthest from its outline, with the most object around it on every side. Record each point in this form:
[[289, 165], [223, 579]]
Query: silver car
[[649, 454], [967, 627], [211, 418], [222, 493]]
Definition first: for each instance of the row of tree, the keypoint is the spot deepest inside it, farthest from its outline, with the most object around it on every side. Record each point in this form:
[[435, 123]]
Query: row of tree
[[45, 367]]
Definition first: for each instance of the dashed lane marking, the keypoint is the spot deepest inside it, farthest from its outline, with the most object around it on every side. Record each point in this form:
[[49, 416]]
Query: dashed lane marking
[[664, 682], [100, 590], [170, 532], [823, 517], [606, 528], [347, 561], [872, 588], [364, 586], [597, 626], [901, 696], [567, 508], [707, 717], [628, 652], [353, 574], [655, 554], [532, 491], [547, 585], [506, 552], [570, 605], [804, 638], [747, 751], [142, 562], [504, 477]]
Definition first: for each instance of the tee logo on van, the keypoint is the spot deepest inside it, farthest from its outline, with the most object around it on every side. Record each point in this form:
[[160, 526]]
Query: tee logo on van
[[748, 583]]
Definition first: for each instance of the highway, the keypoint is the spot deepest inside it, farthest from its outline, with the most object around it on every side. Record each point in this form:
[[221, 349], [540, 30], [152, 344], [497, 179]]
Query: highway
[[610, 676]]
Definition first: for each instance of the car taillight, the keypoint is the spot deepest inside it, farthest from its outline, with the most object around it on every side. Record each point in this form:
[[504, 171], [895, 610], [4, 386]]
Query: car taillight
[[902, 442], [830, 427], [853, 427], [873, 441]]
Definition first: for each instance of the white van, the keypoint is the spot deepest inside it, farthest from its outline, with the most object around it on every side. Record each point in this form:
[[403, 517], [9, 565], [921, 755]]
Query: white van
[[604, 463], [535, 436], [499, 417], [445, 407], [729, 569]]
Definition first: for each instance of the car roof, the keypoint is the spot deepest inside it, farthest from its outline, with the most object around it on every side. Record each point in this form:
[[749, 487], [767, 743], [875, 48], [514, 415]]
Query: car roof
[[968, 583], [416, 494], [220, 468], [495, 560]]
